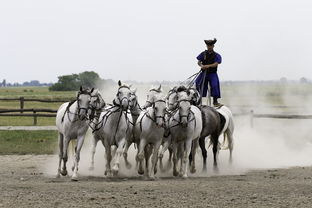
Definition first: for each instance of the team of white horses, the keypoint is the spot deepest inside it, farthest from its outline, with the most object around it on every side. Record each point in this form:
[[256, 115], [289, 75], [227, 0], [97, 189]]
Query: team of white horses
[[175, 121]]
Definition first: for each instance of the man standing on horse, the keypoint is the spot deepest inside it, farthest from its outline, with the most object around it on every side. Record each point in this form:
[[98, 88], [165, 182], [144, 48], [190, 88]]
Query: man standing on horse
[[208, 61]]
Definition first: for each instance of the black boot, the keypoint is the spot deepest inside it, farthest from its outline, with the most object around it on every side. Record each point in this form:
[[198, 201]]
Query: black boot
[[216, 103]]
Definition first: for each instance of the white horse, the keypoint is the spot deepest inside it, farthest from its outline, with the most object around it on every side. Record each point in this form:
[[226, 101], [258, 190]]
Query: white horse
[[97, 105], [216, 122], [72, 123], [150, 127], [114, 128], [185, 126], [135, 110]]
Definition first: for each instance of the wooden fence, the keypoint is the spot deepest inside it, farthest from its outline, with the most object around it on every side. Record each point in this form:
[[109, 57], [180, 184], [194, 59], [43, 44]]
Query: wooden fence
[[22, 100], [35, 113]]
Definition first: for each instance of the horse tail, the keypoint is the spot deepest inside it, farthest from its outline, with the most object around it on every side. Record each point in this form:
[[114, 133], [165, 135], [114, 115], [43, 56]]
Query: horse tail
[[225, 143]]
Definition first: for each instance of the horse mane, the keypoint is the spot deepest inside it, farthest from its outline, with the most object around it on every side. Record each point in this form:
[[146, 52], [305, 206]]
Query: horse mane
[[181, 88]]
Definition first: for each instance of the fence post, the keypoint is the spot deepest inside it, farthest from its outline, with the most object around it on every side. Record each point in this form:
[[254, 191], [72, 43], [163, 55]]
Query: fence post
[[35, 118], [251, 118], [21, 103]]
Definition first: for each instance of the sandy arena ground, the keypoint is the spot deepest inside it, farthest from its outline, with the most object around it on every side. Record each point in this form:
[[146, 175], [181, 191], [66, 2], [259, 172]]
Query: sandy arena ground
[[24, 183], [272, 168]]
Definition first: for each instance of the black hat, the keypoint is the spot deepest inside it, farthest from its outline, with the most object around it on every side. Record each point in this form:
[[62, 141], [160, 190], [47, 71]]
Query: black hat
[[210, 42]]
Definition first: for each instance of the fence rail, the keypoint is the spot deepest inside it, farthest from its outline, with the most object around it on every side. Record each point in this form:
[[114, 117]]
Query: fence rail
[[36, 113], [52, 112]]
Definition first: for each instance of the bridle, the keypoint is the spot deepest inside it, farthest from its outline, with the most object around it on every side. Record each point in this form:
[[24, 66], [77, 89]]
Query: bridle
[[124, 98], [172, 91], [84, 92], [155, 116]]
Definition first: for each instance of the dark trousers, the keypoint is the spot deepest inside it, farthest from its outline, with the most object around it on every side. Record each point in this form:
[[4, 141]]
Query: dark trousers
[[213, 80]]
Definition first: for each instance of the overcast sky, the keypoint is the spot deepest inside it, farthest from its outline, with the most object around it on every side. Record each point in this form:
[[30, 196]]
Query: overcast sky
[[154, 40]]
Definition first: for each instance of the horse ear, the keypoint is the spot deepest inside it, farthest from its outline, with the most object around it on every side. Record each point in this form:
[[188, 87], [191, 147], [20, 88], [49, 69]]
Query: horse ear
[[188, 92], [119, 83], [130, 85], [159, 88], [92, 90], [80, 88], [134, 90]]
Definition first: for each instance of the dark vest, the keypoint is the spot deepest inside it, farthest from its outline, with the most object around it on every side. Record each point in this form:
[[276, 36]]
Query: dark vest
[[209, 58]]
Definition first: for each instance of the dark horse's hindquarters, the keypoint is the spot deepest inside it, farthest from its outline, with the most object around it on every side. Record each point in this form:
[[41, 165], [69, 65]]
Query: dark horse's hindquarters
[[213, 123]]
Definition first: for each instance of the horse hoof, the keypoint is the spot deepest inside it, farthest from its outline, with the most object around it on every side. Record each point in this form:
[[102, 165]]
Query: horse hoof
[[216, 169], [193, 170], [64, 172], [74, 178], [140, 172], [175, 173], [58, 175], [184, 176], [115, 172], [128, 166]]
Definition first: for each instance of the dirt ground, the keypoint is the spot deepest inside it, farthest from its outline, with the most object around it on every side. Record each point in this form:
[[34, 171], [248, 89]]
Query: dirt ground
[[25, 182]]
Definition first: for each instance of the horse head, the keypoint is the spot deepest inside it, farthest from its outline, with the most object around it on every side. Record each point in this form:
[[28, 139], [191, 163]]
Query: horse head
[[184, 105], [83, 102], [159, 110], [122, 98], [172, 99], [133, 100], [97, 103], [195, 96], [151, 96]]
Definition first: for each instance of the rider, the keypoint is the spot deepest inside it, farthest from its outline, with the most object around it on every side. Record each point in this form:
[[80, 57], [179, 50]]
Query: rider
[[208, 61]]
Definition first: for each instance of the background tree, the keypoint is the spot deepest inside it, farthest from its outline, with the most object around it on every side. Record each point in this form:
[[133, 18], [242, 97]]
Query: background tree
[[72, 82], [89, 79]]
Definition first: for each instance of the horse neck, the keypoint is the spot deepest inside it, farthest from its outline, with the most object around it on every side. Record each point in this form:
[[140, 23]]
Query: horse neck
[[135, 109], [135, 112], [150, 112], [72, 113]]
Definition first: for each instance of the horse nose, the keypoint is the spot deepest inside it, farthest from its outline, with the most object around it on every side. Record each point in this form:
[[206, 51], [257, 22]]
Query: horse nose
[[184, 124]]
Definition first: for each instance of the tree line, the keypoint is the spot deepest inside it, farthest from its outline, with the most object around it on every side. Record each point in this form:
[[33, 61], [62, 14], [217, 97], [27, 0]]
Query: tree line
[[72, 82]]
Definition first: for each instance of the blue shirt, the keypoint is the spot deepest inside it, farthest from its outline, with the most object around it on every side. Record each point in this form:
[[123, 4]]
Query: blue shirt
[[218, 57]]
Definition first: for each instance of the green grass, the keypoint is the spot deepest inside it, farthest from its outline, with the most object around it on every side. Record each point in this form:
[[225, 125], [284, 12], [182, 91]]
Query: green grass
[[35, 92], [28, 142], [26, 121], [31, 92]]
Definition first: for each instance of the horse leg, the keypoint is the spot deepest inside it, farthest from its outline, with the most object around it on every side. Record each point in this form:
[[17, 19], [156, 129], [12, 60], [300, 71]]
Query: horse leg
[[65, 155], [93, 148], [60, 142], [193, 153], [154, 160], [229, 135], [147, 154], [108, 154], [118, 155], [125, 155], [181, 157], [201, 142], [140, 155], [161, 154], [215, 148], [186, 153], [169, 163], [175, 159], [80, 141]]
